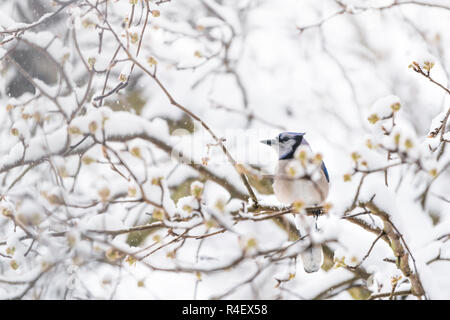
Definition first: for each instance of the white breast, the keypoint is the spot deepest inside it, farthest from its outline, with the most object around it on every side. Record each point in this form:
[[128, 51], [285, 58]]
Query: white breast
[[288, 190]]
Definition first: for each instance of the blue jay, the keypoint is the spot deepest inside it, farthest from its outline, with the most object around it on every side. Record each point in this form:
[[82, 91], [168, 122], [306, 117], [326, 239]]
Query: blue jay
[[312, 192]]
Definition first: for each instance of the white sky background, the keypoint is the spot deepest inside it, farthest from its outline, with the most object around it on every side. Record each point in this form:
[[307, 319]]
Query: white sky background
[[325, 81]]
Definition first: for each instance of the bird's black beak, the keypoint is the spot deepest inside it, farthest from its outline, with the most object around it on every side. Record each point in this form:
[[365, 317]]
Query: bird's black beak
[[269, 142]]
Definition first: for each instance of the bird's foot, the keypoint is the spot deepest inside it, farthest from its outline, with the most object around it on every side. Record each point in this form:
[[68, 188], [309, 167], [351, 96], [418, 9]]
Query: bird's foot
[[315, 211]]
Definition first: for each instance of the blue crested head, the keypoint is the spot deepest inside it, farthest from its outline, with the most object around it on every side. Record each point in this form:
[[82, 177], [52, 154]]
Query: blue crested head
[[284, 136], [287, 143]]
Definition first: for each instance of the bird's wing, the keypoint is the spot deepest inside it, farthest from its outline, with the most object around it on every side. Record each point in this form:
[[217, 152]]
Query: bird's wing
[[325, 171]]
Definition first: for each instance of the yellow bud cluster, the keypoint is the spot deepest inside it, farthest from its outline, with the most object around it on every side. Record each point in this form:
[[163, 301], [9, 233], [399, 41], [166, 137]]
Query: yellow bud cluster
[[152, 61], [104, 193], [373, 118]]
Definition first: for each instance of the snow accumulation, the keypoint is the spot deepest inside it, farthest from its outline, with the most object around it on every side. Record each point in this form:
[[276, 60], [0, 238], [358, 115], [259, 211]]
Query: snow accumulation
[[110, 189]]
